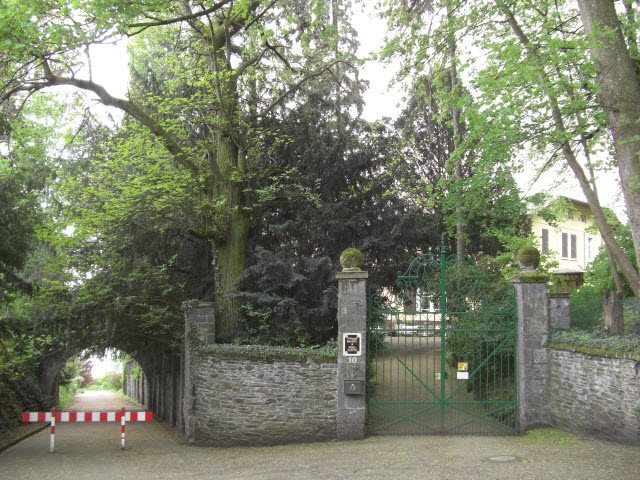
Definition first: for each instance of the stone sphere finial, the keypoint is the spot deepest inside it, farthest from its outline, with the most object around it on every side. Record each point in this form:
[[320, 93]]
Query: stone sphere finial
[[528, 258], [351, 260]]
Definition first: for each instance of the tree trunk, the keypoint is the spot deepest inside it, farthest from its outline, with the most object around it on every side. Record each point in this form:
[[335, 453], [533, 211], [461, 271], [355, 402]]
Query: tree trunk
[[232, 257], [455, 112], [620, 97], [612, 312], [232, 249], [628, 270]]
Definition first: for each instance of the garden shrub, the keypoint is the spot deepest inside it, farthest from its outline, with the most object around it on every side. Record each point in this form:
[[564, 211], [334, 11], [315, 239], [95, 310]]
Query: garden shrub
[[586, 309]]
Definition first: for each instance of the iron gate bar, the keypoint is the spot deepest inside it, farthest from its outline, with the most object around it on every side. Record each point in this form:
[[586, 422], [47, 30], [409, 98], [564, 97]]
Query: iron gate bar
[[436, 404], [478, 417], [400, 384], [486, 360], [407, 368]]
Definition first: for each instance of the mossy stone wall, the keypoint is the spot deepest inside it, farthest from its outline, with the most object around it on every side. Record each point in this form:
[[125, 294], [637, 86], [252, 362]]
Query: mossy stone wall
[[263, 402], [595, 395]]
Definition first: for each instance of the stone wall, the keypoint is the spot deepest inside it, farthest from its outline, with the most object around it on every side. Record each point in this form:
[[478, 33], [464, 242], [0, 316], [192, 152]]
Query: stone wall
[[159, 388], [134, 381], [595, 395], [249, 402]]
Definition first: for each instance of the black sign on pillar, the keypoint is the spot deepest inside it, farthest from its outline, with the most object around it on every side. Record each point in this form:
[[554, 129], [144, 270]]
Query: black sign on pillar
[[352, 344]]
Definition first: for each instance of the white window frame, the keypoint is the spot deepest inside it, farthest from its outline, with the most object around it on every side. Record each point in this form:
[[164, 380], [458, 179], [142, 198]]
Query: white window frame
[[591, 249]]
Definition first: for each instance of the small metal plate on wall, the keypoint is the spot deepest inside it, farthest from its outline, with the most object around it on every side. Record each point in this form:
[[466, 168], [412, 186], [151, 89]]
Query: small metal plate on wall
[[354, 387]]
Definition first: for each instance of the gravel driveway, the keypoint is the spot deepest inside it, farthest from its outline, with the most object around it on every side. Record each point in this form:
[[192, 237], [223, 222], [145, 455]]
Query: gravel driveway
[[154, 451]]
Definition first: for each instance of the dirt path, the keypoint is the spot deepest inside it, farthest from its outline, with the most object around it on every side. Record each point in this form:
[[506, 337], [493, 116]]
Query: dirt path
[[102, 401]]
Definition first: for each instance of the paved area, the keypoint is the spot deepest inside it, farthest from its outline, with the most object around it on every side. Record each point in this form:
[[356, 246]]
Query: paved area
[[92, 451]]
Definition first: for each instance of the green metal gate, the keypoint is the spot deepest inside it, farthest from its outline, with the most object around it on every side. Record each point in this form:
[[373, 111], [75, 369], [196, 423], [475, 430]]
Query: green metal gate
[[442, 351]]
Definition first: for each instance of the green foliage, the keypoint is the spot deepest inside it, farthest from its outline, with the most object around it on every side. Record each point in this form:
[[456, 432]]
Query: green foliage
[[451, 180], [20, 353], [597, 343], [530, 105], [482, 323], [631, 313], [184, 171], [66, 396], [109, 381], [69, 375], [328, 353], [552, 436], [598, 272], [289, 305], [19, 216], [586, 309]]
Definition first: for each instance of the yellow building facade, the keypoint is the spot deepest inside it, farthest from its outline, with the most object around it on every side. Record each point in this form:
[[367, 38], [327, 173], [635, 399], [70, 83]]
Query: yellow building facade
[[568, 241]]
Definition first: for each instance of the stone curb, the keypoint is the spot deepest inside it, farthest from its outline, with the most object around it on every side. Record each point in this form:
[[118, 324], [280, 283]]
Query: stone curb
[[22, 437]]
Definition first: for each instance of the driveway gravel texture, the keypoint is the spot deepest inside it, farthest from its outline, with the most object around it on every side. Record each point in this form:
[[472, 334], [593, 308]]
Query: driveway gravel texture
[[156, 451]]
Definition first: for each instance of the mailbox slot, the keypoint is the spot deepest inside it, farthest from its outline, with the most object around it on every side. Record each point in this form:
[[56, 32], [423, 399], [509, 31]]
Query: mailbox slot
[[354, 387]]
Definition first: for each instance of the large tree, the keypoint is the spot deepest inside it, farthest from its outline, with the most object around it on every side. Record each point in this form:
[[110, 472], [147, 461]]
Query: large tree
[[614, 46], [234, 62], [536, 87]]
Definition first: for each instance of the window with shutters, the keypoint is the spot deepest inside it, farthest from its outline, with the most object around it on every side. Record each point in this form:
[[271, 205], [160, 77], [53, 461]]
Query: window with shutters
[[545, 240], [569, 246]]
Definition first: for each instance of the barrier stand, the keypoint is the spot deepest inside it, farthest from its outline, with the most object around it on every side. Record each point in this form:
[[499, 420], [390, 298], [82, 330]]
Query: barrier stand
[[86, 417], [122, 433], [53, 430]]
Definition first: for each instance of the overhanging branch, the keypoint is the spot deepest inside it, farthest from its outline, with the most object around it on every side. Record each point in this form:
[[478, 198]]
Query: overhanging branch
[[184, 18], [170, 143]]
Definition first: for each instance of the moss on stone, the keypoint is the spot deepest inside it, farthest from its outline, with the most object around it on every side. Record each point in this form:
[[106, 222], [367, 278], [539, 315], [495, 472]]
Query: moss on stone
[[528, 257], [351, 259], [267, 353], [599, 352], [531, 277]]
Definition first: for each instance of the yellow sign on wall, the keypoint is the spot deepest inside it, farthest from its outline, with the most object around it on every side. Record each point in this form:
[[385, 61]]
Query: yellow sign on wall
[[463, 367]]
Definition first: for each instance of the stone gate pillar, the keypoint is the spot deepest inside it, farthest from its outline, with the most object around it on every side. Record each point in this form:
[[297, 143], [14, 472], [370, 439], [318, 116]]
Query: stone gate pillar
[[352, 354], [534, 401], [199, 330]]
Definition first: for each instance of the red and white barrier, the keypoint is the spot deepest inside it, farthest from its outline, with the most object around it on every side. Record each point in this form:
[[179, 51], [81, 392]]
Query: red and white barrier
[[64, 417]]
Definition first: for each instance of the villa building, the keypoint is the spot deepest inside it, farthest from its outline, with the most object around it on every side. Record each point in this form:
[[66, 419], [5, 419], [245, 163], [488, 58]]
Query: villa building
[[568, 241]]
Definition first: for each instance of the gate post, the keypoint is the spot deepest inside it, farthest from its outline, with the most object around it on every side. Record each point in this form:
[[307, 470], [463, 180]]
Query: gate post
[[352, 341], [199, 330], [534, 403]]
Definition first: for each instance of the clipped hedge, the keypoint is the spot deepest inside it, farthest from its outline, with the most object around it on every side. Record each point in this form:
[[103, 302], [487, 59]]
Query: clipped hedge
[[596, 343], [328, 353]]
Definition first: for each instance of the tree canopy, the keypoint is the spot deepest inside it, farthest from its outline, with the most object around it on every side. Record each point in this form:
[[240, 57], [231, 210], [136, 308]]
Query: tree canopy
[[537, 81], [239, 172]]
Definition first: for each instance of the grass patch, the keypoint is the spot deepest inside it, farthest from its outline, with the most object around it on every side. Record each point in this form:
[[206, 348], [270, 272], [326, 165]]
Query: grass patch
[[131, 399], [66, 395]]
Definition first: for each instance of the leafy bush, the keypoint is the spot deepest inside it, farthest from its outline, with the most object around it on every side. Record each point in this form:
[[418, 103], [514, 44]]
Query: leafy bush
[[597, 343], [598, 272], [471, 340], [482, 333], [631, 309], [287, 305], [586, 309], [109, 381]]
